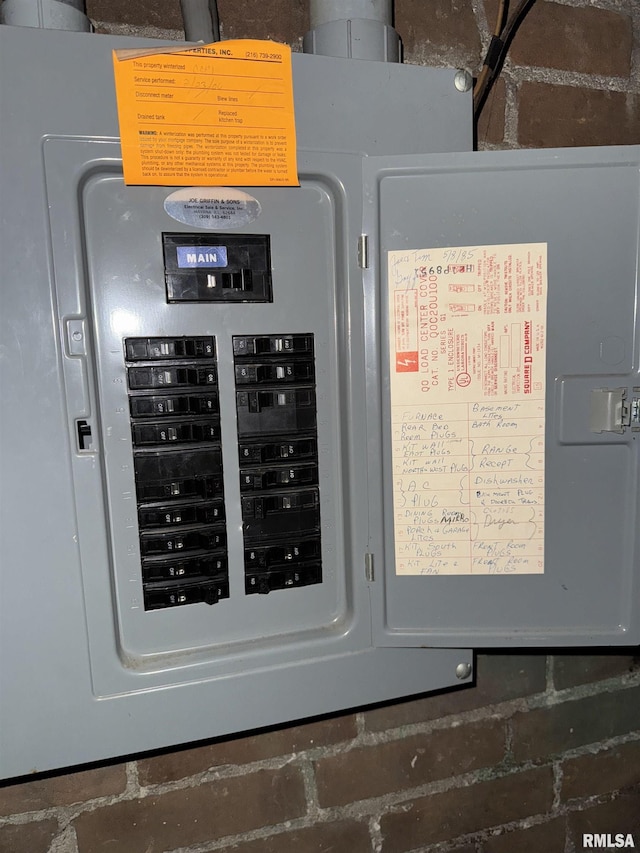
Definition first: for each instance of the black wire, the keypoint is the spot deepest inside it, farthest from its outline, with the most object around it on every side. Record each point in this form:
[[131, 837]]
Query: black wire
[[497, 53]]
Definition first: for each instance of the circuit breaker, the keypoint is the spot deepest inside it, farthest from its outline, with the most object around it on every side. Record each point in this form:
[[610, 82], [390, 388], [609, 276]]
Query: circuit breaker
[[201, 504]]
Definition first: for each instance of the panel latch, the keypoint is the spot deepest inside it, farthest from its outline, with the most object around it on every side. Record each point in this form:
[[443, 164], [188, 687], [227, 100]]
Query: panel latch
[[611, 411]]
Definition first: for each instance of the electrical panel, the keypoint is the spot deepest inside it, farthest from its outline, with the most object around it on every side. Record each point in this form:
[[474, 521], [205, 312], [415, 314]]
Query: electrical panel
[[197, 469]]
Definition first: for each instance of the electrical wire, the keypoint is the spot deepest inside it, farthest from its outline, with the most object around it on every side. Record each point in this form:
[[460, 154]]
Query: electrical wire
[[497, 52], [480, 83]]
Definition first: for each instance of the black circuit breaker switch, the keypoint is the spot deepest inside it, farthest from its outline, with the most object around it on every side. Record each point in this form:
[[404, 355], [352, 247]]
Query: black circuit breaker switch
[[278, 451], [185, 404], [158, 597], [266, 582], [217, 267], [297, 344], [287, 411], [151, 349], [274, 373], [211, 512], [177, 452], [174, 376], [185, 569], [278, 455], [258, 479], [182, 542], [175, 432], [297, 551]]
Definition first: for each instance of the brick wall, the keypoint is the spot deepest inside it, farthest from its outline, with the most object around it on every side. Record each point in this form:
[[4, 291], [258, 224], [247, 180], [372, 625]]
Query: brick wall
[[573, 76], [538, 752], [543, 748]]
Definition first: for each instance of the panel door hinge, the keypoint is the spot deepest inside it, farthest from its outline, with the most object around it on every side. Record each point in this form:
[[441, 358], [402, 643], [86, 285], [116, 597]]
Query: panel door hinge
[[611, 411], [363, 251], [368, 568]]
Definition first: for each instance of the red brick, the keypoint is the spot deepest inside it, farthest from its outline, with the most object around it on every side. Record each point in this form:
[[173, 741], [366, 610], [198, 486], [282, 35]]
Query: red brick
[[574, 669], [491, 123], [437, 28], [557, 116], [603, 772], [193, 815], [571, 38], [444, 817], [181, 764], [499, 677], [549, 731], [264, 19], [375, 770], [621, 815], [28, 837], [347, 836], [62, 789], [535, 839], [150, 13]]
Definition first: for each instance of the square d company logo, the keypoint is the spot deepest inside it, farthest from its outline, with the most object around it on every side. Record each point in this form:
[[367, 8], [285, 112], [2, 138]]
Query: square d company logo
[[607, 841]]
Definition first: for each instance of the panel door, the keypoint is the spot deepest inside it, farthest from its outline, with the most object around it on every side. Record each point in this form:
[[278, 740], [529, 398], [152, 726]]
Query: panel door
[[501, 297]]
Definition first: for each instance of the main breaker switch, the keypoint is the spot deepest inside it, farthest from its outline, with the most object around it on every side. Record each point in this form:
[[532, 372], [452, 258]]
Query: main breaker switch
[[217, 267]]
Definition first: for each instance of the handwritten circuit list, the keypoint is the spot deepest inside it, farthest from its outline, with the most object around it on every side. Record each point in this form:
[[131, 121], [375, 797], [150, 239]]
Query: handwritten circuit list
[[467, 329]]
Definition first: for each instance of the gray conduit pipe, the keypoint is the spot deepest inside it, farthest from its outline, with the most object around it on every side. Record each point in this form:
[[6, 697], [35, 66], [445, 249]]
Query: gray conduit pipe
[[356, 29], [325, 11], [201, 22], [46, 14]]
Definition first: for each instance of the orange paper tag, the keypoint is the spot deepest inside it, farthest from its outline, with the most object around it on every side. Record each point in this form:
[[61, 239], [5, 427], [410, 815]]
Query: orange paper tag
[[212, 115]]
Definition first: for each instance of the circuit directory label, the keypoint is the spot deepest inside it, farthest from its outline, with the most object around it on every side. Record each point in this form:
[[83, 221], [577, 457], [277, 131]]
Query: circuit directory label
[[467, 341]]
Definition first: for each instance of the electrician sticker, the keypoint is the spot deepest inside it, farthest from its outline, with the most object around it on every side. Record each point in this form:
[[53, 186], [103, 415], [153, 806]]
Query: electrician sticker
[[215, 208]]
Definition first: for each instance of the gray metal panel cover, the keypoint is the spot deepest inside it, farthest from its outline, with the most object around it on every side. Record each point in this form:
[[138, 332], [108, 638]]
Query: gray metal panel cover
[[77, 247], [584, 205], [386, 108]]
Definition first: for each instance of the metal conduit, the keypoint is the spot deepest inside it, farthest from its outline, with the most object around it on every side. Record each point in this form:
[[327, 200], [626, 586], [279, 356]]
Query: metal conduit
[[46, 14]]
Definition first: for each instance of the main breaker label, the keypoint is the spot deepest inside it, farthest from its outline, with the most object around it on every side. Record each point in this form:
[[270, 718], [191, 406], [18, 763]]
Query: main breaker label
[[467, 329], [196, 257]]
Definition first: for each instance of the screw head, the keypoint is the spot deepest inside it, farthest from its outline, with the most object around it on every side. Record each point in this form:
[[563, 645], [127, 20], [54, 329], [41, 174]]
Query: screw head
[[463, 670], [462, 80]]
